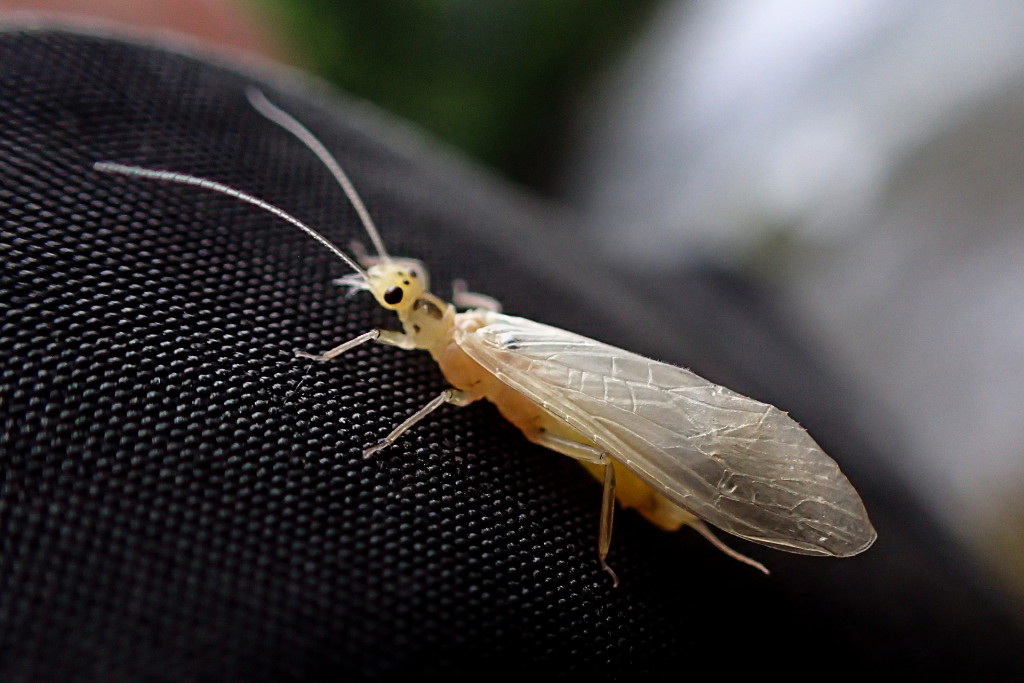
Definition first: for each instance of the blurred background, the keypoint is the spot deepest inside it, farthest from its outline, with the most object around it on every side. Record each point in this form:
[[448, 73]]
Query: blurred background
[[864, 160]]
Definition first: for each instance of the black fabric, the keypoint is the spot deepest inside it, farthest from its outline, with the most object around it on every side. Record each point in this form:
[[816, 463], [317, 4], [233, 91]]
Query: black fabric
[[184, 499]]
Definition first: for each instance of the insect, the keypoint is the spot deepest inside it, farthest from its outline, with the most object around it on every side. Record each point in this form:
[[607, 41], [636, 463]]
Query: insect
[[678, 448]]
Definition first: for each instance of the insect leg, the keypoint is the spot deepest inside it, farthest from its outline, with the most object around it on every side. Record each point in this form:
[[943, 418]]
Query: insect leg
[[604, 539], [463, 298], [588, 453], [704, 531], [365, 258], [381, 336], [453, 396]]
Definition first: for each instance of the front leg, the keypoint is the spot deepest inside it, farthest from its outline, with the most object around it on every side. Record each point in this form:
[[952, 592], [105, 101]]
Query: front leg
[[463, 298], [388, 337]]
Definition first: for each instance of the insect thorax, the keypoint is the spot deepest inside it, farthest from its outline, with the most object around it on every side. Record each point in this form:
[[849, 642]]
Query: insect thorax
[[429, 322]]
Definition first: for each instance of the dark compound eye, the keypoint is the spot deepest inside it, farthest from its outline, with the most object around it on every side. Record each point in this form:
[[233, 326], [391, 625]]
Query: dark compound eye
[[393, 295]]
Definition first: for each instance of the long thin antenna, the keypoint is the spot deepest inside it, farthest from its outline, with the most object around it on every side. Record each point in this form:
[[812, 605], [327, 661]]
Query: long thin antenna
[[184, 179], [282, 118]]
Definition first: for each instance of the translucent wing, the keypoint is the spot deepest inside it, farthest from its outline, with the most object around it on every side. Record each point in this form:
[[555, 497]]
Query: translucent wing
[[742, 465]]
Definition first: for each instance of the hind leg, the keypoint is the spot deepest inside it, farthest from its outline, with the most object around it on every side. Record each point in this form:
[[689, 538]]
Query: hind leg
[[584, 452]]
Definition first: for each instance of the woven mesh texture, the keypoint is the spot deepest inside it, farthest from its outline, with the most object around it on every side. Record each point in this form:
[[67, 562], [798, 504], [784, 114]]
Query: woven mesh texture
[[183, 498]]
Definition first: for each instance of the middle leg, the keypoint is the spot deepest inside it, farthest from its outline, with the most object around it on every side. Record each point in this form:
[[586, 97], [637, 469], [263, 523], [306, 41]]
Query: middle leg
[[454, 396]]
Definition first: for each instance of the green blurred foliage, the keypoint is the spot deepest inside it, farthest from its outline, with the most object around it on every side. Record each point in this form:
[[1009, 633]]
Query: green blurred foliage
[[497, 79]]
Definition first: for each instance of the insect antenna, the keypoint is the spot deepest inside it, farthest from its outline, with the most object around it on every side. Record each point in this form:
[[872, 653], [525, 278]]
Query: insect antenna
[[282, 118], [185, 179]]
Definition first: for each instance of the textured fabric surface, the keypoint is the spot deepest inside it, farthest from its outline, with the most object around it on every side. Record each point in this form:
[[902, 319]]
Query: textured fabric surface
[[182, 498]]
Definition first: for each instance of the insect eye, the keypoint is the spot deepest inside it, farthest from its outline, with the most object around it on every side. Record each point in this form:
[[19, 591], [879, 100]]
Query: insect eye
[[393, 295]]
